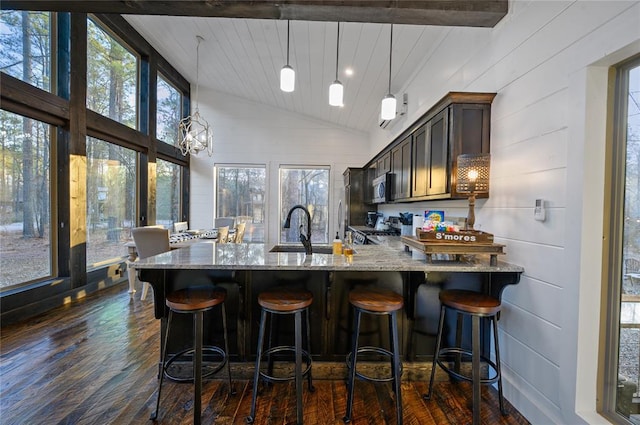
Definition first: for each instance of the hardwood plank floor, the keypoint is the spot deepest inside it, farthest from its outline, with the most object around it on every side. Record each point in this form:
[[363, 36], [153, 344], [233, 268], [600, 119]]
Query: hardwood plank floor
[[95, 362]]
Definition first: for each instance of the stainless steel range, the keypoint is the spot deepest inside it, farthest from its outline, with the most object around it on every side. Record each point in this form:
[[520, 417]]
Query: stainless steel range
[[361, 234]]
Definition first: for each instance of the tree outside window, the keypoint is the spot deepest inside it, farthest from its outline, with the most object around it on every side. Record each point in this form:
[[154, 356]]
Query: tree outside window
[[308, 187]]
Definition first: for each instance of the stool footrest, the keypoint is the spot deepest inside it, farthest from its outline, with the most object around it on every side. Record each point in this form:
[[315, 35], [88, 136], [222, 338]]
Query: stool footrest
[[306, 358], [376, 350], [461, 351], [189, 351]]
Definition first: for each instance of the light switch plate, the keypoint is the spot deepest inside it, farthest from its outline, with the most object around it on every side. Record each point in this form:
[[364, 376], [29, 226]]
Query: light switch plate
[[539, 212]]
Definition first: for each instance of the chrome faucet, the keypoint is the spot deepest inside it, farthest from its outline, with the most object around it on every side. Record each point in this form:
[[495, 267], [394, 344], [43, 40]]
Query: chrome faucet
[[306, 240]]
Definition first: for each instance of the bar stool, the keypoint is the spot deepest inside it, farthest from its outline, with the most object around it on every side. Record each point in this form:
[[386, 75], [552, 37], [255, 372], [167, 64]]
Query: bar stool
[[375, 301], [477, 306], [195, 301], [284, 301]]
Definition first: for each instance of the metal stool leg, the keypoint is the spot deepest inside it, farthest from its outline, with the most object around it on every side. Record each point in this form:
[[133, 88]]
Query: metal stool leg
[[256, 373], [298, 367], [226, 347], [475, 367], [395, 349], [427, 396], [352, 372], [309, 376], [154, 415], [498, 369], [197, 367]]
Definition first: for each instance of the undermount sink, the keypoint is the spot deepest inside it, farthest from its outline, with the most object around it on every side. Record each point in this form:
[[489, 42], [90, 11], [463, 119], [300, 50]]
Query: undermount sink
[[317, 249]]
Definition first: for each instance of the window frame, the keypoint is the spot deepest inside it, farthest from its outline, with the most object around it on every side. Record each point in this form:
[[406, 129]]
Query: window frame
[[613, 247]]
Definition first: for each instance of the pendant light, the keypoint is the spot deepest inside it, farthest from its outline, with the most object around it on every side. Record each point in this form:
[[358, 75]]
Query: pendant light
[[194, 132], [287, 74], [388, 107], [335, 89]]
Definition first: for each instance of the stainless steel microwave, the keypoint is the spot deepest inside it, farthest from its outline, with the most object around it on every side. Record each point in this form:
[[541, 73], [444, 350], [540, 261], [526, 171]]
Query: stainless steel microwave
[[381, 189]]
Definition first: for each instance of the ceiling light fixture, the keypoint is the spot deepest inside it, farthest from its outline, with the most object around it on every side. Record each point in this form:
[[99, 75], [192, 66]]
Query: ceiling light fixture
[[194, 131], [388, 106], [287, 74], [335, 89]]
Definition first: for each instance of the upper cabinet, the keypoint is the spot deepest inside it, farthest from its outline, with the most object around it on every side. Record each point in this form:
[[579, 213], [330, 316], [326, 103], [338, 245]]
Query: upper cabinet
[[401, 170], [423, 159]]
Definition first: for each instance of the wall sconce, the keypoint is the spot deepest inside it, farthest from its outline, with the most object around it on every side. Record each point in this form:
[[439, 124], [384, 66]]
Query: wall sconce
[[473, 178]]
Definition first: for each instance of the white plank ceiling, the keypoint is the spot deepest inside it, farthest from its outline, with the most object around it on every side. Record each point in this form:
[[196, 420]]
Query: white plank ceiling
[[243, 57]]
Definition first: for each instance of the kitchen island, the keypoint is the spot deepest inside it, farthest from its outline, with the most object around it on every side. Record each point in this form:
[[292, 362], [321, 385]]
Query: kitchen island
[[245, 270]]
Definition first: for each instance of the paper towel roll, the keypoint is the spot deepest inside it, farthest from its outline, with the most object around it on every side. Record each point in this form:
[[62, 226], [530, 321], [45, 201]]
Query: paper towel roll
[[418, 221]]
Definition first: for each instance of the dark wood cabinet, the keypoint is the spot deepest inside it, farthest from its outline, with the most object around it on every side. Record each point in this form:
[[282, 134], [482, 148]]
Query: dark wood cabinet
[[430, 166], [355, 208], [383, 164], [423, 159], [401, 170]]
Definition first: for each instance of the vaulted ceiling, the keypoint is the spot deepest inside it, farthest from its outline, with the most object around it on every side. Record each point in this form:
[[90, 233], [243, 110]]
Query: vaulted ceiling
[[245, 45]]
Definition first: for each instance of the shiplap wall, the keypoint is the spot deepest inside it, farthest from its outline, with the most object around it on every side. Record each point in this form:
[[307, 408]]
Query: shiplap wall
[[547, 60], [246, 132]]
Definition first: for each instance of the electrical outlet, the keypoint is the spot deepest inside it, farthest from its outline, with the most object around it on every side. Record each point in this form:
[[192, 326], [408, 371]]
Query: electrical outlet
[[539, 212]]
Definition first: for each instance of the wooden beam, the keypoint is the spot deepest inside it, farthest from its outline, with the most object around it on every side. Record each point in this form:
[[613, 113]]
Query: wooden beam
[[467, 13]]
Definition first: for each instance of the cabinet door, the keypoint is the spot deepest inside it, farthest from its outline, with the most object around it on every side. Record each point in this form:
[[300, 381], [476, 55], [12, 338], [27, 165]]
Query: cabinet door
[[401, 170], [383, 164], [437, 154], [369, 175], [420, 164]]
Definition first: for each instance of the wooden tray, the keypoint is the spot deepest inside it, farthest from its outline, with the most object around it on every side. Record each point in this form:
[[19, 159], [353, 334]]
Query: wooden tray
[[430, 248], [466, 237]]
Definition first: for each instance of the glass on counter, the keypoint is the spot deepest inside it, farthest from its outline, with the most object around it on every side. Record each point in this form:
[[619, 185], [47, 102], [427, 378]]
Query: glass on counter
[[348, 246]]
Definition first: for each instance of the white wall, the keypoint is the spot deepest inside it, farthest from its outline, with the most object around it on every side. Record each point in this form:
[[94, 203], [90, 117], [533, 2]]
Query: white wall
[[246, 132], [547, 60]]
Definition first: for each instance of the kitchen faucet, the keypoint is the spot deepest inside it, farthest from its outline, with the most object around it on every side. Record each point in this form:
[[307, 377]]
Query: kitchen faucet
[[306, 240]]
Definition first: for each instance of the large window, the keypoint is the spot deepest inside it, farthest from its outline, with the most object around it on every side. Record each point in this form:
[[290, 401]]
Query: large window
[[169, 112], [112, 77], [25, 194], [111, 200], [308, 187], [623, 368], [240, 193], [25, 42], [168, 193]]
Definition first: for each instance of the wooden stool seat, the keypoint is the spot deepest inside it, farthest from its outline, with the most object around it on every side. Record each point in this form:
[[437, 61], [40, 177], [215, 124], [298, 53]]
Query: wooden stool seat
[[283, 299], [376, 299], [192, 299], [470, 302]]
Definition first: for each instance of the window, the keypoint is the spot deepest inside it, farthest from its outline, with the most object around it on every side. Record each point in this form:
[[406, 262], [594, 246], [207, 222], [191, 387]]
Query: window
[[623, 368], [308, 187], [111, 200], [112, 77], [168, 193], [25, 43], [25, 194], [169, 112], [240, 193]]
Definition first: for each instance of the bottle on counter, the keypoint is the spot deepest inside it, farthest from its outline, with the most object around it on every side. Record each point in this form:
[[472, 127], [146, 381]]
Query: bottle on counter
[[337, 245]]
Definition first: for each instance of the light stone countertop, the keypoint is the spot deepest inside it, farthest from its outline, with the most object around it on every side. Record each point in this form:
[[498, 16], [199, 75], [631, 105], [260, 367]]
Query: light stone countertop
[[256, 256]]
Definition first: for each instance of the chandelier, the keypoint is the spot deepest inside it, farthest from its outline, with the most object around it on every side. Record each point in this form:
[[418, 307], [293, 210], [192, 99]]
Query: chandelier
[[194, 131]]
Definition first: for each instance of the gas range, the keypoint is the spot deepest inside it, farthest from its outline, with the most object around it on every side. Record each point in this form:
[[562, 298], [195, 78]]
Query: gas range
[[360, 233]]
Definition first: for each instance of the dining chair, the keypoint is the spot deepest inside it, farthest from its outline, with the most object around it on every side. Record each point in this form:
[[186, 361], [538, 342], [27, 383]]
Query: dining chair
[[239, 232], [223, 234], [150, 241]]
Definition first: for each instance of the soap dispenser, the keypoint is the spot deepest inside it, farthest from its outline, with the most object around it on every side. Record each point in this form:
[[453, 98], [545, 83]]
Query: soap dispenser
[[337, 245]]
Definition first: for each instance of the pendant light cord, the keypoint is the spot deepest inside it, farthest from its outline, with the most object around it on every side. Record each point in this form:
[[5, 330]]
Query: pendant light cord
[[337, 49], [199, 38], [287, 42], [390, 50]]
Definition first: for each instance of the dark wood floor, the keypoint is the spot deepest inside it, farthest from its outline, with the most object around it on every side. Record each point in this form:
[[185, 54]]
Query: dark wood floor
[[95, 362]]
